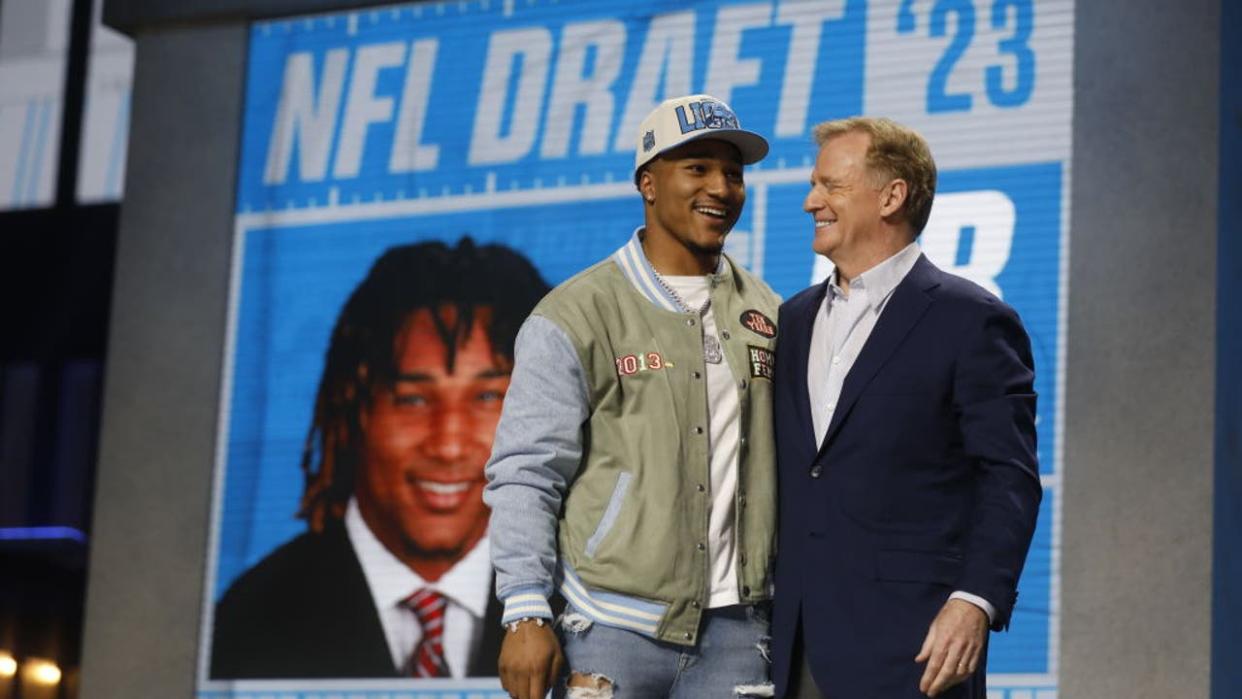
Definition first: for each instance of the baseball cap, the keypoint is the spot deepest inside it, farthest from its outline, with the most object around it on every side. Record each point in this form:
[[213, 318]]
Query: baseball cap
[[685, 119]]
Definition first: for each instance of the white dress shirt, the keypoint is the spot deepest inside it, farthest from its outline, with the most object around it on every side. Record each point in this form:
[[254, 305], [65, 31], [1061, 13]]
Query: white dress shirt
[[843, 323], [466, 588]]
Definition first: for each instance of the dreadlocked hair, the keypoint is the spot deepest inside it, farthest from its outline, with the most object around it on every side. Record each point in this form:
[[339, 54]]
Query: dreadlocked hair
[[361, 354]]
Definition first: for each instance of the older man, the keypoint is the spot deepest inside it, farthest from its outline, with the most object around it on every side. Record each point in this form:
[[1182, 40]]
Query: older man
[[905, 418]]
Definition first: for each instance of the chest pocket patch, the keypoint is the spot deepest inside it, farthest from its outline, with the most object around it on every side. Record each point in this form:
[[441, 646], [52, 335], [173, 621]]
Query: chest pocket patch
[[762, 362], [758, 323]]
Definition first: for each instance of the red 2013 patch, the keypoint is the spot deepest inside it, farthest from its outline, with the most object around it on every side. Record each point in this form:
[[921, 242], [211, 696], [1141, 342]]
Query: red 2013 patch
[[758, 323], [632, 364]]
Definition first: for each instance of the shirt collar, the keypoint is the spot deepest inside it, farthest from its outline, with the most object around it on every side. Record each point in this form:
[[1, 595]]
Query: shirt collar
[[633, 262], [391, 581], [880, 281]]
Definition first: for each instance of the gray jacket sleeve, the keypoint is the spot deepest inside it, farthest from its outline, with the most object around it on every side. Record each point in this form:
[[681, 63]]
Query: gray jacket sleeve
[[537, 451]]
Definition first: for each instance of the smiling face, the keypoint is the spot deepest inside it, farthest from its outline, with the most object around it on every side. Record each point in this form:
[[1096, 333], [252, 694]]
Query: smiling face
[[426, 441], [695, 194], [844, 200]]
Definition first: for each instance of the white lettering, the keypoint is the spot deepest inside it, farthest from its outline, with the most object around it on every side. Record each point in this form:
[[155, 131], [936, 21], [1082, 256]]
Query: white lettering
[[991, 214], [669, 52], [304, 118], [807, 18], [409, 153], [487, 144], [570, 88], [362, 107], [725, 69]]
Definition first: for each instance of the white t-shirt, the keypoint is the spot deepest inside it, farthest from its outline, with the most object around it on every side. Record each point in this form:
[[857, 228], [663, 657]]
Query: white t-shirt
[[724, 412]]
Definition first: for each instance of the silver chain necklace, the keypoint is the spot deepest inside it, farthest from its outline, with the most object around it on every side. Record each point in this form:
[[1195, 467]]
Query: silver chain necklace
[[712, 351]]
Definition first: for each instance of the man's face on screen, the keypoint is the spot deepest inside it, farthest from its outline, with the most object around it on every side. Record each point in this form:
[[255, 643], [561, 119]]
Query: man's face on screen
[[426, 440]]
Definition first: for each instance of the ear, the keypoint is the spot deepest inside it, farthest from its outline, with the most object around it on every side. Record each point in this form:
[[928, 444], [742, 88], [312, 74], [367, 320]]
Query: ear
[[893, 197], [646, 185]]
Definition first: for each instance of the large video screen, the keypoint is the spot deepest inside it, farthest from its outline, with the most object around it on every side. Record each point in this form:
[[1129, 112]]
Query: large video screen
[[452, 150]]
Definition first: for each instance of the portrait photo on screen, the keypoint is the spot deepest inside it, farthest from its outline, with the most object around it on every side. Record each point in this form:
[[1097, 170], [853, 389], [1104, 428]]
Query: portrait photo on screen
[[393, 559]]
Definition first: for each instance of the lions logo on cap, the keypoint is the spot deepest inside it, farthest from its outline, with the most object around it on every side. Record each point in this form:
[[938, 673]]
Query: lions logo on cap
[[707, 114], [648, 141]]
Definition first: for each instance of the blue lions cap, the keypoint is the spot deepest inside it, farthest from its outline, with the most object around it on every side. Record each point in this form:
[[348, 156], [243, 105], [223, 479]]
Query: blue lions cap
[[684, 119]]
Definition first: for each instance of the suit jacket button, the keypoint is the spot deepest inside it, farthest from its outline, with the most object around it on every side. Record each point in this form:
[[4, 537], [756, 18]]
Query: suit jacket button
[[746, 591], [695, 604], [816, 470]]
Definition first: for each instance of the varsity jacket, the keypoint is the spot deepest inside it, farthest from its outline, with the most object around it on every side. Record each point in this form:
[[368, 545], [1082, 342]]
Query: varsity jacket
[[598, 478]]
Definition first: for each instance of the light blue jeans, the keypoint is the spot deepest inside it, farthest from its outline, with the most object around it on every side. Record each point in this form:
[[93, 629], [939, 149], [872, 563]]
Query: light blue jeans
[[730, 659]]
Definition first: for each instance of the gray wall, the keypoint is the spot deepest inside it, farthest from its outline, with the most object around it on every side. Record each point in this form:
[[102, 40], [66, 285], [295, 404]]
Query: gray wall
[[1136, 542], [169, 303]]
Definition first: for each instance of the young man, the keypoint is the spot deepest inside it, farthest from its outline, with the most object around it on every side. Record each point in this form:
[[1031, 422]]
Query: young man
[[634, 465], [392, 577], [905, 417]]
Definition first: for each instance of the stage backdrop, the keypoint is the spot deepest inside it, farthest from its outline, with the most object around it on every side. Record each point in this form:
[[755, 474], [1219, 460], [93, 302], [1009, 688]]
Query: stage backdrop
[[514, 121]]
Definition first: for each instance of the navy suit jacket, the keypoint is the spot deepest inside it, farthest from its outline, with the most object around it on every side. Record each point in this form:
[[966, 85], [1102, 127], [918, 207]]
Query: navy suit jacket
[[926, 482]]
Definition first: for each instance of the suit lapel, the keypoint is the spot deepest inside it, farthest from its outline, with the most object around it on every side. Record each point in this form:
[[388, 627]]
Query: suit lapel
[[904, 309], [484, 657], [804, 325]]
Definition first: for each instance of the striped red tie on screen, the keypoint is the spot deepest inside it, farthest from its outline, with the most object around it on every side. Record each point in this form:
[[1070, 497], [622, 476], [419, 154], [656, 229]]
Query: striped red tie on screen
[[427, 660]]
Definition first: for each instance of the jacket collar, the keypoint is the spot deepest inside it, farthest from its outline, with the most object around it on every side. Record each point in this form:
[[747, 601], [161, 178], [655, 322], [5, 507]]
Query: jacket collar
[[633, 262]]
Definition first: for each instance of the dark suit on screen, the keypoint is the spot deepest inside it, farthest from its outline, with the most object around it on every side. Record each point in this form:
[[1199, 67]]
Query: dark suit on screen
[[305, 611], [925, 483]]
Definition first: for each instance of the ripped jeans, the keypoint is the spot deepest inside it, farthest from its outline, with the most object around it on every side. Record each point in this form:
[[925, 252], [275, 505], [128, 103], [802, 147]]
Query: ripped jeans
[[729, 660]]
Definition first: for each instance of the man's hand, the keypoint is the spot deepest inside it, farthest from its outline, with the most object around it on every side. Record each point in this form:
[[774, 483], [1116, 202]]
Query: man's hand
[[530, 660], [952, 647]]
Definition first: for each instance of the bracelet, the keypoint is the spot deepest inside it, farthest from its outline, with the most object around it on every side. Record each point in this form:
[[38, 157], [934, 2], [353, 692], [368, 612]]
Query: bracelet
[[513, 625]]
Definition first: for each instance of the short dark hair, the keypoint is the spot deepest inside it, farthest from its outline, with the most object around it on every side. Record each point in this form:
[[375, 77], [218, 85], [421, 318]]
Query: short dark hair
[[362, 351]]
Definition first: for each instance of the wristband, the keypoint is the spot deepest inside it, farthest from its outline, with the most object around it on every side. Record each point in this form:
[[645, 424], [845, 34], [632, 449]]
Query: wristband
[[513, 625]]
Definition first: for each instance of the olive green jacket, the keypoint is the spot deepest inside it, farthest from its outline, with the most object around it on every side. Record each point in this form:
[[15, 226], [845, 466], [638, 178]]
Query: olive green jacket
[[599, 476]]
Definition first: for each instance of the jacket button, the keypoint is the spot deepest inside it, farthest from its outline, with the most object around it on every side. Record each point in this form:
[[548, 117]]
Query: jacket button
[[688, 636], [746, 591], [697, 375], [742, 384], [725, 334], [741, 501], [698, 430], [742, 560], [701, 546], [690, 321], [816, 470], [695, 603], [701, 488]]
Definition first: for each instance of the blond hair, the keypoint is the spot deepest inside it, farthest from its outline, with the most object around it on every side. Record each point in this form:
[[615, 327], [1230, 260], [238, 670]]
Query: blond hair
[[895, 152]]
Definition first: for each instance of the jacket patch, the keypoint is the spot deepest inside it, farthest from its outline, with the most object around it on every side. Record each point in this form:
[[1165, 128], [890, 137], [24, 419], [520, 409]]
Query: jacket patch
[[762, 362], [758, 323], [631, 364]]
